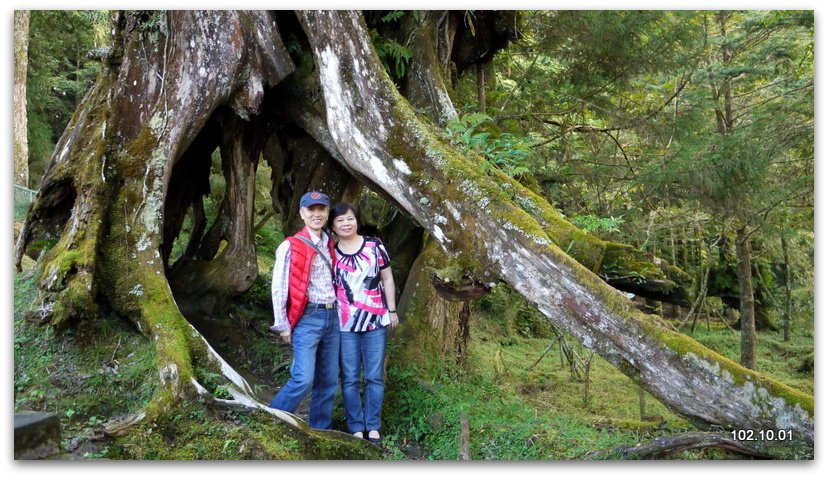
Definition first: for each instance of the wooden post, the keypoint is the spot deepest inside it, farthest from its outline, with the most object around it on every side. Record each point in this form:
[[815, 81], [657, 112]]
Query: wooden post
[[642, 403], [587, 380], [464, 452]]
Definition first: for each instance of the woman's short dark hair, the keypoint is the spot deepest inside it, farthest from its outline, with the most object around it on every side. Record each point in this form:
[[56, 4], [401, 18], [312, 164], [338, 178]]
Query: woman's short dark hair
[[342, 208]]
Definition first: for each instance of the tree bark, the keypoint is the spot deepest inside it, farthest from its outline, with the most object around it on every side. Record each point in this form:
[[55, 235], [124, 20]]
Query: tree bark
[[786, 320], [464, 453], [748, 322], [379, 136], [424, 87], [432, 330], [200, 284], [21, 64], [763, 301], [104, 192]]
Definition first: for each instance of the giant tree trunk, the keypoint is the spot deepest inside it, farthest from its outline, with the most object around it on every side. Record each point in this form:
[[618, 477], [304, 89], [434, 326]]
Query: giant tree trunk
[[470, 213], [126, 155], [109, 198]]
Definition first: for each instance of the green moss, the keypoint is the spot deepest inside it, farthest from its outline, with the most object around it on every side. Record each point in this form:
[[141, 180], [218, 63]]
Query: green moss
[[132, 164], [684, 346], [678, 276], [609, 297], [621, 260], [578, 244], [191, 431], [454, 270], [67, 261], [66, 280], [413, 341], [137, 289], [165, 322], [98, 369], [73, 302], [513, 218]]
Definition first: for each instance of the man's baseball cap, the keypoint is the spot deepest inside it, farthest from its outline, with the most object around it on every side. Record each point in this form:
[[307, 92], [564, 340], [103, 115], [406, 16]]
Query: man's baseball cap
[[314, 197]]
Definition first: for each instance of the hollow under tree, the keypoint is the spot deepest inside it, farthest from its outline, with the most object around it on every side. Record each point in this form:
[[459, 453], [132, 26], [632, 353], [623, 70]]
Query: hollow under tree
[[178, 85]]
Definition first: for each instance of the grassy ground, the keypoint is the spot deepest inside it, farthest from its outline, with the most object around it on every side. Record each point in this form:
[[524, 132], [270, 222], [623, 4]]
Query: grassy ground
[[87, 375], [103, 369]]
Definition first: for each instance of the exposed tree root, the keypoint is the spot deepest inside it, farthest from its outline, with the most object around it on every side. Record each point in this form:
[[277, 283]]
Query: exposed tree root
[[666, 447]]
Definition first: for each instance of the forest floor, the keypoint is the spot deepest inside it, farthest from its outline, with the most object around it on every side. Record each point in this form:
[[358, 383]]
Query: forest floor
[[519, 396], [524, 405]]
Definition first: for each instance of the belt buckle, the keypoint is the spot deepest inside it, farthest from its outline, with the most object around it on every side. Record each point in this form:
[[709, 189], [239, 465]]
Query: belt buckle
[[329, 306]]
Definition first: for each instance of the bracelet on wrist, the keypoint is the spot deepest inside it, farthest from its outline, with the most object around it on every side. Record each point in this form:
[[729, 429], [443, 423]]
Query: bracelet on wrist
[[392, 311]]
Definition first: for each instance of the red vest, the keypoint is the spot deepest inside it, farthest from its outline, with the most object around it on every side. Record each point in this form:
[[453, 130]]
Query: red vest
[[301, 258]]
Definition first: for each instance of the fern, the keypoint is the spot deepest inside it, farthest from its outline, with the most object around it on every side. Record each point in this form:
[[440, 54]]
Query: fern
[[394, 56], [591, 224], [504, 151], [393, 16]]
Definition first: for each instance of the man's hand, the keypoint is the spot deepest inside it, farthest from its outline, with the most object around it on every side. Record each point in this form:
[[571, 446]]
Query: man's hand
[[285, 335]]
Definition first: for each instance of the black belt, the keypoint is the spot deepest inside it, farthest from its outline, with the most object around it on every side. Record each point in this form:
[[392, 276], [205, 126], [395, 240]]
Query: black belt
[[321, 306]]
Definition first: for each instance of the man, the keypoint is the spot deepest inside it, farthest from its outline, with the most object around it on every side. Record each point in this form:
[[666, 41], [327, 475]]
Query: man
[[304, 310]]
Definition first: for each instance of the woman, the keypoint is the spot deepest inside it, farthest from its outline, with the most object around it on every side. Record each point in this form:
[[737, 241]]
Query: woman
[[367, 308]]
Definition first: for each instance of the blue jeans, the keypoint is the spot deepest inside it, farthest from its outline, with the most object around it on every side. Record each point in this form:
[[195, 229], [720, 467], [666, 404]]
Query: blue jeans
[[315, 367], [363, 352]]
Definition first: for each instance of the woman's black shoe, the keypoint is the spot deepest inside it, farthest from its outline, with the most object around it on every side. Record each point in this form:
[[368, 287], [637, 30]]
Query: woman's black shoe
[[376, 441]]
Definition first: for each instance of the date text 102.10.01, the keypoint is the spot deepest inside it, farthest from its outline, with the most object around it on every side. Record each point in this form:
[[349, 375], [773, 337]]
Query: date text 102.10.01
[[769, 435]]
